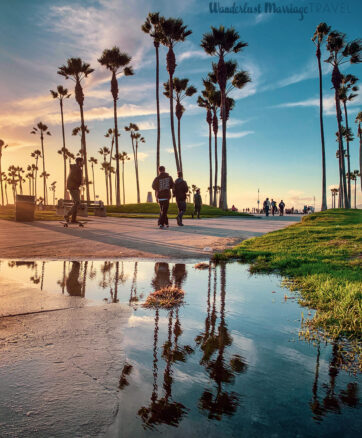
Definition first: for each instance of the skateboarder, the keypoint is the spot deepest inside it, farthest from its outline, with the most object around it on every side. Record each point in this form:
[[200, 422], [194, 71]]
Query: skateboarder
[[162, 185], [74, 181], [180, 191]]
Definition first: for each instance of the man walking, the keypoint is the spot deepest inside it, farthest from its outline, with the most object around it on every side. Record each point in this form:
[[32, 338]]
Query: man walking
[[266, 206], [180, 191], [162, 185], [197, 203], [273, 206], [74, 181], [281, 208]]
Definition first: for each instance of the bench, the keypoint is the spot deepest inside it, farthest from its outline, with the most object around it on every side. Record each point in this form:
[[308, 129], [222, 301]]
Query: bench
[[97, 207]]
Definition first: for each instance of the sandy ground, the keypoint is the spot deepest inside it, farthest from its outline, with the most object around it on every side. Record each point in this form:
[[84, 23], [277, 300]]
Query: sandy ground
[[115, 237]]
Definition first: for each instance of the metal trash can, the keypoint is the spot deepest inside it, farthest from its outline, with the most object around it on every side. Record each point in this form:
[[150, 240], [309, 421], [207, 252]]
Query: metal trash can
[[24, 208]]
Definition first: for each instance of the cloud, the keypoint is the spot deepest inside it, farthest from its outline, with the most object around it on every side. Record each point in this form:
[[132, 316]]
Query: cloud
[[200, 54]]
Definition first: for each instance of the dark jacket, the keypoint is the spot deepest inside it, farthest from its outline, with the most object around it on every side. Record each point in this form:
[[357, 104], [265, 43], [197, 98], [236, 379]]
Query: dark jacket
[[162, 185], [180, 189], [197, 200], [74, 180]]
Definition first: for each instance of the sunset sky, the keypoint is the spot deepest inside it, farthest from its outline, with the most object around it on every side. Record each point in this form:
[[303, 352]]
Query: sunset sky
[[273, 132]]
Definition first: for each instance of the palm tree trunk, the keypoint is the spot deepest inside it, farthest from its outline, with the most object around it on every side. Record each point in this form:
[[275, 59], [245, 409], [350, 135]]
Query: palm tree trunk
[[137, 177], [118, 196], [21, 184], [84, 150], [36, 177], [324, 183], [64, 155], [216, 171], [94, 185], [42, 153], [1, 181], [124, 197], [179, 141], [355, 186], [344, 201], [348, 158], [210, 161], [223, 194], [360, 152], [157, 109], [173, 125], [110, 188], [105, 172], [6, 194]]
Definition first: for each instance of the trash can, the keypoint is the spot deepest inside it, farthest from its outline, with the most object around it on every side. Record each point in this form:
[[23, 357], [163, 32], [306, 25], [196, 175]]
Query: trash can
[[24, 208]]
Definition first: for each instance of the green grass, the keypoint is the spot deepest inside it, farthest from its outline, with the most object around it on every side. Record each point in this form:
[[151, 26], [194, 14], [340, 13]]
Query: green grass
[[322, 259], [8, 213]]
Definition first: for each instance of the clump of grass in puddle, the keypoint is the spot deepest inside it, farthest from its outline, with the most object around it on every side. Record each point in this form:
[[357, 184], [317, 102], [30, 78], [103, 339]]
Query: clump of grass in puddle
[[202, 266], [165, 298]]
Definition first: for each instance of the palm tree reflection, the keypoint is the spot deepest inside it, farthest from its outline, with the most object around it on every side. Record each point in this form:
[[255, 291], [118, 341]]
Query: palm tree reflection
[[218, 402]]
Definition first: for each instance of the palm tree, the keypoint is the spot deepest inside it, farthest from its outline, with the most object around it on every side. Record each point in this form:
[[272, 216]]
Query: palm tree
[[352, 176], [13, 180], [20, 170], [318, 37], [61, 94], [220, 42], [172, 31], [123, 156], [2, 146], [36, 155], [52, 188], [334, 192], [105, 166], [115, 60], [182, 90], [136, 138], [45, 176], [93, 162], [77, 70], [359, 121], [341, 52], [152, 27], [348, 84], [111, 133], [30, 177], [42, 129]]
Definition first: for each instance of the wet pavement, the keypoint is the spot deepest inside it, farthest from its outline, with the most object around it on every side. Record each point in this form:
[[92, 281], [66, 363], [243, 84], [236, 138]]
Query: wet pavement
[[228, 362]]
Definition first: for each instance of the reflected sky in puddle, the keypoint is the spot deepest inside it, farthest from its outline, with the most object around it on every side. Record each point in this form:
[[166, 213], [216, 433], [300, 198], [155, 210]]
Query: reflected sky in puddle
[[227, 363]]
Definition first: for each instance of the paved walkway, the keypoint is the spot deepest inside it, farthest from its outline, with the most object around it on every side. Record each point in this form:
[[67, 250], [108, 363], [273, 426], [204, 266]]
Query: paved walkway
[[115, 237]]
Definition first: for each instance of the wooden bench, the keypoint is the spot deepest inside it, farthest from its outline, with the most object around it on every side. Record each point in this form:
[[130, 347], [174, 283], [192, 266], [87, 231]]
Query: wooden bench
[[84, 208]]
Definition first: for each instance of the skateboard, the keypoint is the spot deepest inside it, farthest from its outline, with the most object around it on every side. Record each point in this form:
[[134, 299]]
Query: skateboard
[[79, 223]]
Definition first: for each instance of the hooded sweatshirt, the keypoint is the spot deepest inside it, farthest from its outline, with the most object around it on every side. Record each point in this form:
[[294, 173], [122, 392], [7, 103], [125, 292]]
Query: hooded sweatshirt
[[180, 189], [74, 180], [162, 185]]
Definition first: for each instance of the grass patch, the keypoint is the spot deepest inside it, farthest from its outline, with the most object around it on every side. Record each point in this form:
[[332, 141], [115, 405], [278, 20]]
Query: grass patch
[[8, 213], [322, 259], [165, 298]]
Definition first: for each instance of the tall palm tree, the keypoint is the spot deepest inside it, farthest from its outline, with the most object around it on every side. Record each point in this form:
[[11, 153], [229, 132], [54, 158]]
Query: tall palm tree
[[105, 166], [45, 176], [359, 121], [204, 103], [36, 155], [341, 52], [347, 93], [123, 156], [62, 93], [136, 138], [117, 62], [182, 90], [320, 33], [76, 70], [2, 146], [111, 134], [93, 162], [152, 27], [172, 31], [356, 174], [220, 42], [42, 129]]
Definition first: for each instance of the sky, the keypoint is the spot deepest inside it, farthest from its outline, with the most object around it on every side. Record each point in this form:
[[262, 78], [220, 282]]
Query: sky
[[273, 141]]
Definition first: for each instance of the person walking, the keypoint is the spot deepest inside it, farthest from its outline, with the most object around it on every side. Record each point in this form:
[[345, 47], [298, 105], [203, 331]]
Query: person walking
[[74, 181], [197, 204], [281, 208], [266, 206], [162, 185], [180, 191], [273, 205]]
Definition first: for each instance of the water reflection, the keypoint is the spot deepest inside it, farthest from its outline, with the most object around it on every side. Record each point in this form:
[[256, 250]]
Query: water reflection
[[196, 340]]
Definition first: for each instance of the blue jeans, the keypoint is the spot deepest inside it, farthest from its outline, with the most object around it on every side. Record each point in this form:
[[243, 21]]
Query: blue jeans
[[163, 219], [181, 205], [75, 194]]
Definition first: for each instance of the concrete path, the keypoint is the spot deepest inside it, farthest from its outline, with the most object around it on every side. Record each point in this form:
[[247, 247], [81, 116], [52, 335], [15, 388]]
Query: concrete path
[[115, 237]]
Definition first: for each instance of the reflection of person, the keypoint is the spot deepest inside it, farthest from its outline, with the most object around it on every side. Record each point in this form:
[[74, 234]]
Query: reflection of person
[[162, 276], [162, 185], [74, 181], [74, 286], [179, 274], [180, 191]]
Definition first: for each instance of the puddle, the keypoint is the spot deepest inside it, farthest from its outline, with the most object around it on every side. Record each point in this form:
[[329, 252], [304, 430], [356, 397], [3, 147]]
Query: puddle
[[227, 363]]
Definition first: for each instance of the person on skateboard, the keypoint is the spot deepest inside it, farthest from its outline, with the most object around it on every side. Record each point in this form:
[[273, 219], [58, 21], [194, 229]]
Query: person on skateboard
[[74, 181]]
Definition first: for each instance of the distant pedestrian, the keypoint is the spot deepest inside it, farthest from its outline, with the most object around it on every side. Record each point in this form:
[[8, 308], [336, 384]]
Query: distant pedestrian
[[281, 208], [197, 204], [162, 186], [74, 181], [180, 191], [273, 205], [266, 206]]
